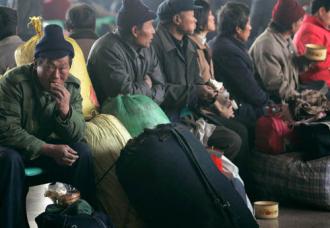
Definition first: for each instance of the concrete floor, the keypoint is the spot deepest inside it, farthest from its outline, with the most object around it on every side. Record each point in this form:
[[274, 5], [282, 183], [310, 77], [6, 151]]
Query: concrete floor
[[289, 217]]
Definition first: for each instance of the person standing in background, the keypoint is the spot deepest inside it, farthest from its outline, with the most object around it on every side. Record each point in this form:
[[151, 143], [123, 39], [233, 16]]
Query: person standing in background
[[25, 9], [315, 30], [9, 41], [80, 23]]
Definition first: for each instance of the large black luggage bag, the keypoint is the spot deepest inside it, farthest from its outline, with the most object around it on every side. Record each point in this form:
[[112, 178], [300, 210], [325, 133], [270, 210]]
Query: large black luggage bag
[[172, 182]]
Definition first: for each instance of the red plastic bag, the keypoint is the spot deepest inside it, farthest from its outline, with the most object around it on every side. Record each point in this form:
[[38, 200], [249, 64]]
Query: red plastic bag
[[272, 135], [216, 155]]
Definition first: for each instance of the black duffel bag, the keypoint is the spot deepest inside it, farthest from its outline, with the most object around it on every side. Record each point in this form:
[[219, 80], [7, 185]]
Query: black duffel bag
[[171, 180], [69, 217]]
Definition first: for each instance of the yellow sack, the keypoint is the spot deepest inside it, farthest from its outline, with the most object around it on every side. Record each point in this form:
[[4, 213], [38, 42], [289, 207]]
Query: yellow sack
[[107, 136], [24, 54]]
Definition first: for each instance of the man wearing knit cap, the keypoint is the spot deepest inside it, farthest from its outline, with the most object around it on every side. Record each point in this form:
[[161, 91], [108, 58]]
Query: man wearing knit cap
[[124, 62], [9, 41], [273, 53], [184, 85], [315, 30], [42, 125]]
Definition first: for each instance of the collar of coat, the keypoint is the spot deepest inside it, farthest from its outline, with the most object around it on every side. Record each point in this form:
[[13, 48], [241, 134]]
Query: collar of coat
[[131, 51], [167, 40], [198, 41], [285, 43], [83, 34]]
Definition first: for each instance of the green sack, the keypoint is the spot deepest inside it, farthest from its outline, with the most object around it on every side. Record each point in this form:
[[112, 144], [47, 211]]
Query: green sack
[[136, 112]]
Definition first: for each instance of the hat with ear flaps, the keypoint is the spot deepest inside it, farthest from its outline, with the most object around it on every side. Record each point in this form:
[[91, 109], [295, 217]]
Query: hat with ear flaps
[[133, 12], [287, 12], [53, 45]]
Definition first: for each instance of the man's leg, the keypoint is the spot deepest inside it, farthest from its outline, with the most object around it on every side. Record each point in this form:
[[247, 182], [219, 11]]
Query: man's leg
[[13, 190], [83, 174], [80, 175], [226, 140]]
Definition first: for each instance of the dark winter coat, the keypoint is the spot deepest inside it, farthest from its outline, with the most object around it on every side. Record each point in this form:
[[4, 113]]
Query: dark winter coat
[[115, 67], [181, 72], [233, 66]]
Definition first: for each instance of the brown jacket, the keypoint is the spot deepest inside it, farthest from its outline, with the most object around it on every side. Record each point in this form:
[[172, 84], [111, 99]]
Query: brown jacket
[[204, 58]]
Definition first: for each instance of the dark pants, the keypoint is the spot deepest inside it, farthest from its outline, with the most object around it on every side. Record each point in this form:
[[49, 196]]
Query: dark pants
[[14, 187], [239, 135], [226, 140]]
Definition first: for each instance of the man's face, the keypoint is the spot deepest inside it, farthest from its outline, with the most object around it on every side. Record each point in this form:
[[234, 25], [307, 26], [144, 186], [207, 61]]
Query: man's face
[[144, 35], [324, 16], [244, 34], [53, 71], [186, 22]]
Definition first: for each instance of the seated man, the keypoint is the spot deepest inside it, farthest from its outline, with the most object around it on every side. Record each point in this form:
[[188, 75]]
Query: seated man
[[124, 62], [273, 53], [179, 63], [9, 41], [41, 124]]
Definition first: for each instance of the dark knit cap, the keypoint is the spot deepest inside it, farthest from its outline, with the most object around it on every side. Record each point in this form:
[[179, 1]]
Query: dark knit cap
[[287, 12], [169, 8], [133, 12], [53, 45]]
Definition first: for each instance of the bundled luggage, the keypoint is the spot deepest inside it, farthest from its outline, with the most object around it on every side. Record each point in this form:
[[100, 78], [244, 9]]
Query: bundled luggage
[[171, 180], [135, 112]]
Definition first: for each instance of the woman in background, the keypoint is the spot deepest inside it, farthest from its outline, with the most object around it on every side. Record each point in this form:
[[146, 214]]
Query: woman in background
[[221, 113]]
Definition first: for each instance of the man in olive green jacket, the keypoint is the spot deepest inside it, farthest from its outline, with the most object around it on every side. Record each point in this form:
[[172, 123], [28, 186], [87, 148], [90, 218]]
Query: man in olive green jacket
[[41, 124]]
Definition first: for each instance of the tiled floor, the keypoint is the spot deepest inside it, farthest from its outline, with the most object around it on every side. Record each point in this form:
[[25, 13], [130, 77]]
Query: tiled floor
[[289, 217]]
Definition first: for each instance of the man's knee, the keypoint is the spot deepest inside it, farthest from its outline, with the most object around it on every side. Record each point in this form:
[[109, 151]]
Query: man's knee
[[227, 140], [83, 150], [235, 142], [10, 158]]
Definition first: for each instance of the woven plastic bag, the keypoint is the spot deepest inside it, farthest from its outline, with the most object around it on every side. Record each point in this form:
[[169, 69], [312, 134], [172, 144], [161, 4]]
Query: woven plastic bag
[[107, 136], [136, 112], [24, 54]]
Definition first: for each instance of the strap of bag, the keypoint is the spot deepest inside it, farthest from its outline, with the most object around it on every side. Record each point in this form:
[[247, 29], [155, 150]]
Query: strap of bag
[[106, 172], [221, 204]]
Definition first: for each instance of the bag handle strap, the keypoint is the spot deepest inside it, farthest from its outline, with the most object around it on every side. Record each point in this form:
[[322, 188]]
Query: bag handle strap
[[218, 201]]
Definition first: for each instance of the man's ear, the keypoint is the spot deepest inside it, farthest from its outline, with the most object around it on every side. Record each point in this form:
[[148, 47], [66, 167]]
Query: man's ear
[[176, 19], [322, 11], [238, 30], [134, 31]]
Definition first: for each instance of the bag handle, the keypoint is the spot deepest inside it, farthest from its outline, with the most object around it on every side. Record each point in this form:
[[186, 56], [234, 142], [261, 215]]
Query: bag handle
[[218, 201]]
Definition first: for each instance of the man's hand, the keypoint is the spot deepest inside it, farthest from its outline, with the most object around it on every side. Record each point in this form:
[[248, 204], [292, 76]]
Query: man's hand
[[224, 111], [62, 98], [206, 92], [285, 114], [148, 81], [62, 154]]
